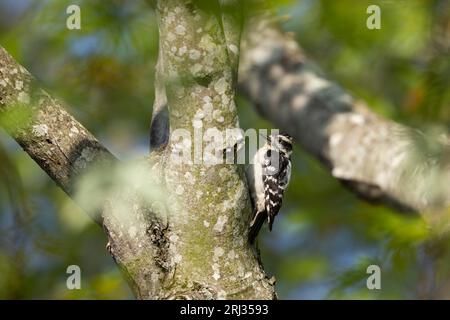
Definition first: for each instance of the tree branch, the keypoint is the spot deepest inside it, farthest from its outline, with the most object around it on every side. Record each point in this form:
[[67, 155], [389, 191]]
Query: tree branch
[[374, 157], [122, 198], [159, 127], [58, 143]]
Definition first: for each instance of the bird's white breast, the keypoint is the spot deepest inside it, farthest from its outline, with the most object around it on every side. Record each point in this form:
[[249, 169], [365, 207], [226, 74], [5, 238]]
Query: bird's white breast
[[255, 179]]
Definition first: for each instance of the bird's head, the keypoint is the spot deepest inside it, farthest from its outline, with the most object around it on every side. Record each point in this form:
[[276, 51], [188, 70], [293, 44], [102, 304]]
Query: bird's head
[[281, 142]]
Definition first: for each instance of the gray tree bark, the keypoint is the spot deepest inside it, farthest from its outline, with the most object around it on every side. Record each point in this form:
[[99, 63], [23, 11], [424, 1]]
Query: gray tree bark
[[179, 231], [58, 143]]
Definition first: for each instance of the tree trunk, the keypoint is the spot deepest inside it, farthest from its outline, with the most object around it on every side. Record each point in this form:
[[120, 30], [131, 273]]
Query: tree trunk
[[176, 230]]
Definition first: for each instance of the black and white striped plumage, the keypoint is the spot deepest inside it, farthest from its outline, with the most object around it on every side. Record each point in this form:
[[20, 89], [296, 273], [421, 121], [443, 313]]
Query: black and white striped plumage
[[268, 177]]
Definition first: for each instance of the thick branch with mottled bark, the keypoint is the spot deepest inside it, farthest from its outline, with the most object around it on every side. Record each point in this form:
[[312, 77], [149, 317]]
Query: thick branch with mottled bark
[[373, 156], [58, 143], [71, 155]]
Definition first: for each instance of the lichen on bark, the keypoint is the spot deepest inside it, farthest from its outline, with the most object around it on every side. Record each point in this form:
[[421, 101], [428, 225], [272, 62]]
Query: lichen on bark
[[193, 244], [209, 206], [58, 143]]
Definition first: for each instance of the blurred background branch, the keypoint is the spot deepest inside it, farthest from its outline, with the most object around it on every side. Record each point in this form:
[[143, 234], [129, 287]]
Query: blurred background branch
[[372, 156]]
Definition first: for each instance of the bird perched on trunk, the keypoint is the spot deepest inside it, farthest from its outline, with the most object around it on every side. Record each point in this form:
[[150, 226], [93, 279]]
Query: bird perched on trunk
[[268, 177]]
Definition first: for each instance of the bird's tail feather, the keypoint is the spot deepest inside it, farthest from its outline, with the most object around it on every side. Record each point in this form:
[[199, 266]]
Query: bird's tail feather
[[255, 226]]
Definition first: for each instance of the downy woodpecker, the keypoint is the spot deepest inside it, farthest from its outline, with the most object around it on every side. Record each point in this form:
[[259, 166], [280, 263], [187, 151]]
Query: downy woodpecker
[[268, 177]]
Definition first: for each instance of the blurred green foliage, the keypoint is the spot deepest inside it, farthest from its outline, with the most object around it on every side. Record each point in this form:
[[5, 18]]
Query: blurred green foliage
[[325, 237]]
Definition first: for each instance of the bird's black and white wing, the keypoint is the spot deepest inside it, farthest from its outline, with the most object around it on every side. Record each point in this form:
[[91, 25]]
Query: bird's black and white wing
[[276, 176]]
